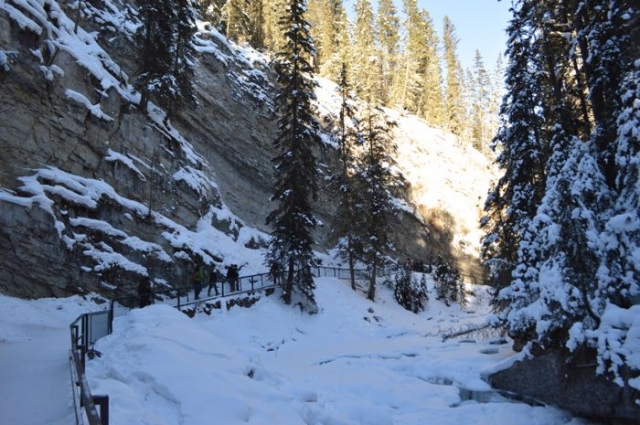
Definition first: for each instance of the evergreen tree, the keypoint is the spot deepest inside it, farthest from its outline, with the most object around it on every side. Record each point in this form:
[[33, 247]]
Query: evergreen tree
[[273, 37], [449, 285], [295, 169], [555, 283], [256, 24], [325, 19], [495, 97], [454, 101], [236, 21], [432, 104], [211, 11], [520, 143], [409, 292], [378, 179], [366, 63], [480, 96], [184, 59], [348, 222], [155, 37], [388, 29], [332, 67], [168, 55], [408, 84]]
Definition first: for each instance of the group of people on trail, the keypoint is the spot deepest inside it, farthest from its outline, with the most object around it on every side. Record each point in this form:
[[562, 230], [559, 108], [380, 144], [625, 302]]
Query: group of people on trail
[[198, 280]]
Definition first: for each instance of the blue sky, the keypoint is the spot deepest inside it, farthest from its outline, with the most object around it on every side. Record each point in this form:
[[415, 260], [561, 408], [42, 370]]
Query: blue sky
[[480, 24]]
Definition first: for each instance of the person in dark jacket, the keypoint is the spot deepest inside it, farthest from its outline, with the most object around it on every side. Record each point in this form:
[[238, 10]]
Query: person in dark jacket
[[197, 278], [144, 291], [213, 281], [232, 277]]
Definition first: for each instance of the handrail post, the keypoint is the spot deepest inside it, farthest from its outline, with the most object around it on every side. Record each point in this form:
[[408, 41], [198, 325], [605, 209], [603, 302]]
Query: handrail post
[[103, 402]]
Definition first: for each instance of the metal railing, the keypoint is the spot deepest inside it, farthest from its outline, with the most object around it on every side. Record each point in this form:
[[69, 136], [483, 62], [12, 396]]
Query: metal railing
[[180, 296], [85, 331]]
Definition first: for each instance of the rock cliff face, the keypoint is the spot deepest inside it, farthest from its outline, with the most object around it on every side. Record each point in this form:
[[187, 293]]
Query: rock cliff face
[[95, 192], [573, 386]]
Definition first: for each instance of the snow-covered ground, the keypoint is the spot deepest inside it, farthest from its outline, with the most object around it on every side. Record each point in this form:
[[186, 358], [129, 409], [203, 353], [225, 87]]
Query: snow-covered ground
[[355, 362]]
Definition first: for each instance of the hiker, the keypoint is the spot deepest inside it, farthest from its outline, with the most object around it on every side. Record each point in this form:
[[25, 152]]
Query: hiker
[[213, 281], [144, 291], [197, 279], [274, 272], [232, 277]]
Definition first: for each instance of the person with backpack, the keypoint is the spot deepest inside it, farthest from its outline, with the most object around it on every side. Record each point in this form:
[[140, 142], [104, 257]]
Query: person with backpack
[[232, 277], [197, 278], [213, 281]]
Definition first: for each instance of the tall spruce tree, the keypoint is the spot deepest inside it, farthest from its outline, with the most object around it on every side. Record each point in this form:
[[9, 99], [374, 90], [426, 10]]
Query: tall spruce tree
[[432, 104], [273, 37], [378, 178], [295, 170], [366, 65], [522, 154], [168, 55], [388, 29], [454, 89], [408, 83], [347, 226], [480, 96]]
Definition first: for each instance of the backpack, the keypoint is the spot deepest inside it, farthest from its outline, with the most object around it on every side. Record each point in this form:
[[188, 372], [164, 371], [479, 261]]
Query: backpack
[[197, 275]]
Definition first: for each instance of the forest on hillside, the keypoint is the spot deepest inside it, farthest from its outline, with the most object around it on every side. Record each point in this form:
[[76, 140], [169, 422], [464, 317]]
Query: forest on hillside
[[398, 57]]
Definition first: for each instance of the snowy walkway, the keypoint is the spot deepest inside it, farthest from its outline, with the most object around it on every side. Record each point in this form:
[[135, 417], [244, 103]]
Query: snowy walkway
[[35, 381], [35, 388]]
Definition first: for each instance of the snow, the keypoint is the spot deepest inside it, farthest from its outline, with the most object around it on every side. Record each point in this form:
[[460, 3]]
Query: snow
[[113, 156], [356, 362], [82, 100]]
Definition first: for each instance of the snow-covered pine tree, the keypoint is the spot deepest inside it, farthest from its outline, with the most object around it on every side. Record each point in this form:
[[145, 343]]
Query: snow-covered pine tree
[[614, 77], [295, 173], [168, 55], [409, 292], [555, 283], [184, 59], [449, 284], [378, 178], [479, 86], [522, 154]]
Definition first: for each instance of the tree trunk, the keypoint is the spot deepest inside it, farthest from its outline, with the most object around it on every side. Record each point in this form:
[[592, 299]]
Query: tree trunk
[[288, 286], [371, 293], [352, 271]]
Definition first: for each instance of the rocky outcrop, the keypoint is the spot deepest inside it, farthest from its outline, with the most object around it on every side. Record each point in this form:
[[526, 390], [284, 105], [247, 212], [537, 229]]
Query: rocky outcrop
[[574, 386], [95, 192]]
